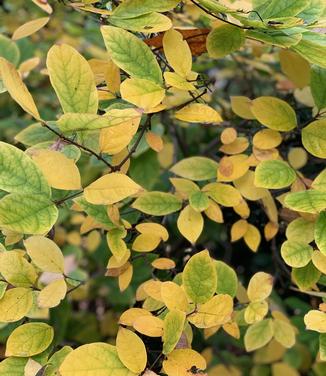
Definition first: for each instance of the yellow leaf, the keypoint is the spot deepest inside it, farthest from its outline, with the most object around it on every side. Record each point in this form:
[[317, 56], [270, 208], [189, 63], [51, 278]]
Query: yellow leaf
[[284, 333], [30, 28], [279, 369], [232, 168], [198, 113], [315, 320], [116, 244], [151, 228], [221, 370], [17, 88], [153, 289], [239, 145], [238, 230], [255, 311], [130, 315], [131, 350], [252, 237], [241, 107], [228, 135], [223, 194], [110, 189], [149, 325], [190, 223], [295, 67], [173, 296], [45, 254], [247, 188], [267, 139], [60, 171], [260, 287], [52, 294], [43, 5], [178, 82], [177, 52], [232, 329], [142, 93], [146, 242], [180, 361], [297, 157], [214, 212], [163, 263], [15, 304], [319, 260], [125, 277], [154, 141]]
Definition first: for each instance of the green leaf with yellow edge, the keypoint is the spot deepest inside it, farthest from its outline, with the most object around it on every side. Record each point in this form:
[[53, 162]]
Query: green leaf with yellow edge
[[216, 311], [29, 339], [274, 113], [45, 254], [190, 223], [17, 89], [295, 253], [306, 277], [94, 359], [314, 138], [18, 172], [131, 54], [15, 304], [310, 201], [196, 168], [147, 23], [284, 333], [27, 213], [142, 93], [52, 294], [157, 203], [320, 233], [72, 79], [174, 296], [16, 270], [198, 113], [260, 287], [116, 243], [180, 361], [227, 281], [13, 366], [315, 320], [223, 194], [131, 350], [199, 278], [111, 188], [255, 311], [317, 84], [274, 174], [199, 201], [135, 8], [172, 329], [258, 335], [224, 40]]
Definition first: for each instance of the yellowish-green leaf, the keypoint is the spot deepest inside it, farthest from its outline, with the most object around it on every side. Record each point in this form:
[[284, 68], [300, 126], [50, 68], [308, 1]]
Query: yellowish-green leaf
[[274, 113], [17, 89], [295, 253], [223, 194], [15, 304], [27, 213], [190, 223], [224, 40], [317, 83], [319, 260], [306, 277], [131, 54], [30, 28], [196, 168], [116, 243], [13, 366], [255, 311], [314, 138], [131, 350], [199, 278], [320, 181], [274, 174], [179, 82], [310, 201], [260, 287], [315, 320], [134, 8], [142, 93], [94, 359], [72, 80], [241, 106], [174, 296], [52, 294], [16, 270], [147, 23], [258, 335], [284, 333], [172, 329], [301, 230], [198, 113], [111, 188], [29, 339], [45, 254], [157, 203], [199, 201], [227, 281]]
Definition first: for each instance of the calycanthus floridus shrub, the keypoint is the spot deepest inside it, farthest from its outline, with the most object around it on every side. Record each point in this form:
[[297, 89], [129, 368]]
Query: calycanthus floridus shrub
[[164, 214]]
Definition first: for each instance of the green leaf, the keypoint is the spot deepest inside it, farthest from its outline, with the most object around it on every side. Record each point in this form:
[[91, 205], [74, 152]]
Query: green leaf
[[312, 47], [310, 201], [320, 233], [199, 278], [72, 79], [259, 335], [224, 40], [98, 212], [317, 85], [134, 8], [29, 339], [296, 254], [276, 38], [322, 346], [172, 329], [306, 277], [287, 8], [227, 281], [157, 203], [196, 168], [274, 113], [18, 172], [35, 134], [94, 359], [320, 182], [199, 201], [81, 122], [52, 368], [314, 138], [13, 366], [131, 54], [27, 213], [9, 50], [274, 174], [15, 304]]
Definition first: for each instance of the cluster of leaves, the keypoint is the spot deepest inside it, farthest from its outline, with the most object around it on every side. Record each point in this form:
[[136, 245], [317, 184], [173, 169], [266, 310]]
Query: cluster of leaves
[[166, 149]]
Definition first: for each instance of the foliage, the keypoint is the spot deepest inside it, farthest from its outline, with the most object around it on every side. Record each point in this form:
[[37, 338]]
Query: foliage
[[162, 211]]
